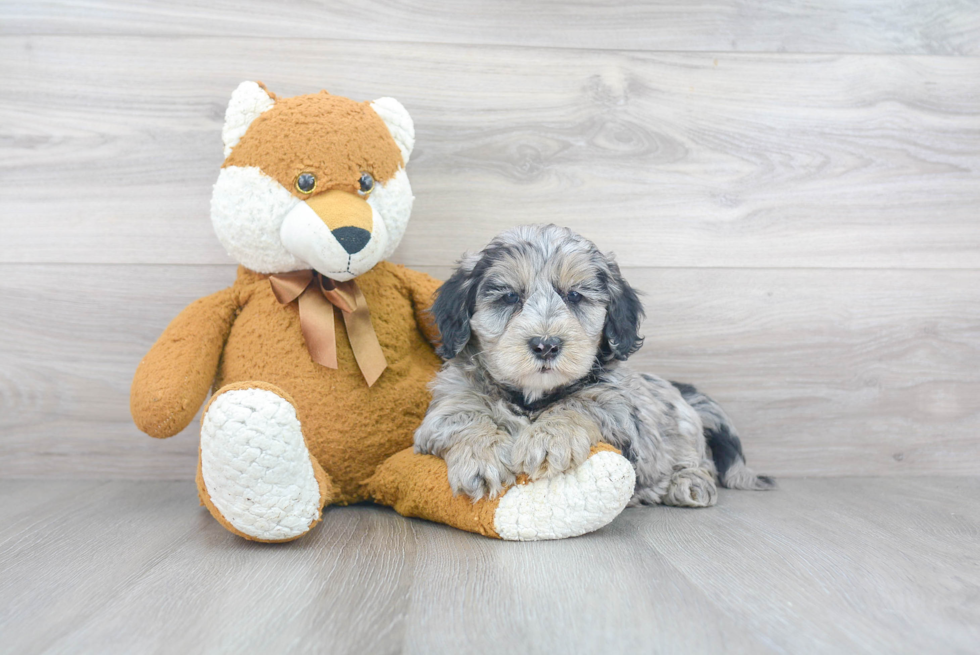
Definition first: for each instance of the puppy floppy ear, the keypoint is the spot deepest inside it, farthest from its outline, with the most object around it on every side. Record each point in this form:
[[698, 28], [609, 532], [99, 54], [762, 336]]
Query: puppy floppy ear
[[452, 310], [621, 333]]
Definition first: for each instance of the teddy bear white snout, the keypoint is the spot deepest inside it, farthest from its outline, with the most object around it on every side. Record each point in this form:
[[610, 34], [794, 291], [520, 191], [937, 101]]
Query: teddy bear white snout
[[337, 233]]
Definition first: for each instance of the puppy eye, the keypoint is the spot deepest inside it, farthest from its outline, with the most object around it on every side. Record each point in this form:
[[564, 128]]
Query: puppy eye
[[573, 297], [305, 183], [510, 298], [367, 184]]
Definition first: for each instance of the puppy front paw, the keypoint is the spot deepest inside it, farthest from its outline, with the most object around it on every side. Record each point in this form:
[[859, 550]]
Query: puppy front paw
[[479, 469], [553, 444]]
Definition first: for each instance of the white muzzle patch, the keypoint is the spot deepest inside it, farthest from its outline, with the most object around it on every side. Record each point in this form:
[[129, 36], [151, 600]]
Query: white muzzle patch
[[268, 230], [307, 237]]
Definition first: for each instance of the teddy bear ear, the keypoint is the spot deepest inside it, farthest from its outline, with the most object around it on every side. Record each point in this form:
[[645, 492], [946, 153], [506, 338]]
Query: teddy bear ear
[[247, 102], [399, 124]]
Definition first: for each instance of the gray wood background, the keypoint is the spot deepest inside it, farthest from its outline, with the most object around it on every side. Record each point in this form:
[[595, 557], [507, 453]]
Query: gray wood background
[[795, 186]]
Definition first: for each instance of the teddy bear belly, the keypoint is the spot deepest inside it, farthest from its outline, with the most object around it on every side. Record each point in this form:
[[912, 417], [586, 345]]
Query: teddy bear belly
[[349, 428]]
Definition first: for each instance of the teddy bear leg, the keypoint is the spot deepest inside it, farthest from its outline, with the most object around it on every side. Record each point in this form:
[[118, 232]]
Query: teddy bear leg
[[255, 474], [579, 501]]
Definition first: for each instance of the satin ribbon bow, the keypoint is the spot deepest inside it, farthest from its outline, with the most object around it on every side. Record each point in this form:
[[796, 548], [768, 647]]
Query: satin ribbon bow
[[318, 296]]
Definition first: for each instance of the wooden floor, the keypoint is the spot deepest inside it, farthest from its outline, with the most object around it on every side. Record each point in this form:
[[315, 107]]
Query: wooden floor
[[845, 565]]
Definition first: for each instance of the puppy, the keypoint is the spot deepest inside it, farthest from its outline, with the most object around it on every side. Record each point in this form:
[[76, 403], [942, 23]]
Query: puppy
[[535, 330]]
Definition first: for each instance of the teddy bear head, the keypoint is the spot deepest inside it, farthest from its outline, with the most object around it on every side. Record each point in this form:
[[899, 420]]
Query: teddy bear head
[[312, 182]]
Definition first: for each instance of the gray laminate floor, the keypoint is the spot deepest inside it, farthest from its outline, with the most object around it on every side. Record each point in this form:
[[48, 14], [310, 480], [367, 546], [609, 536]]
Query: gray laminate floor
[[822, 565]]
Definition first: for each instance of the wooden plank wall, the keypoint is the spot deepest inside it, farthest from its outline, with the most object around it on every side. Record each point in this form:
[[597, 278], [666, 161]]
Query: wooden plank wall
[[795, 186]]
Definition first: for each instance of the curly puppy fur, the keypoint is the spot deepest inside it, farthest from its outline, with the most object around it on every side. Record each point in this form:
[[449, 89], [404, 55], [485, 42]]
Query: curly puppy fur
[[535, 330]]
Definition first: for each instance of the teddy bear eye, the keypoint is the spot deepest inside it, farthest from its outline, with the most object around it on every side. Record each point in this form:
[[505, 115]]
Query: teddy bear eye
[[573, 297], [306, 182], [366, 183]]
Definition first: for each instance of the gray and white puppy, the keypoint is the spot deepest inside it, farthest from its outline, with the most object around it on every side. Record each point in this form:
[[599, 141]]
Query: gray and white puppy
[[535, 329]]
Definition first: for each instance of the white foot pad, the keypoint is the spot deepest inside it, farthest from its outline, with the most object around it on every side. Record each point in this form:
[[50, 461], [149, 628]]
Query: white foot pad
[[256, 467], [575, 503]]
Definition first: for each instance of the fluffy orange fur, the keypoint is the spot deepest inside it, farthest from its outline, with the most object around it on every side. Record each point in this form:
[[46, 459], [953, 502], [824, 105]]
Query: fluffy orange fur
[[335, 138], [243, 334]]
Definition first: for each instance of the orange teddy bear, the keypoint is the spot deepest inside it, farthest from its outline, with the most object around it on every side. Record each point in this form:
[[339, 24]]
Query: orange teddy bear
[[320, 353]]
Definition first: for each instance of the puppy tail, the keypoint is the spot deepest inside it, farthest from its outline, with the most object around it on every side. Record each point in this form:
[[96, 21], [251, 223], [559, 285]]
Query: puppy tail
[[723, 442]]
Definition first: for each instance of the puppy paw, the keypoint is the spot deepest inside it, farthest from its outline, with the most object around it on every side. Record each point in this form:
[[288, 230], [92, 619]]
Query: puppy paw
[[693, 487], [553, 444], [479, 468]]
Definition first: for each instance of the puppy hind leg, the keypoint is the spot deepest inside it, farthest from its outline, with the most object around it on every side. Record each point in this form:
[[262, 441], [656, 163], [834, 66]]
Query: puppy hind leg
[[723, 443], [691, 487]]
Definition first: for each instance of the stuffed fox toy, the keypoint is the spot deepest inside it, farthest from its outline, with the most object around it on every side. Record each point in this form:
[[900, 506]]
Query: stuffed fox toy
[[320, 353]]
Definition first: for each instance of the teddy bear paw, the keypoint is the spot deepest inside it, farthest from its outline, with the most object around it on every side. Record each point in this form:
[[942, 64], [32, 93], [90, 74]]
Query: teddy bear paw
[[256, 468], [576, 502]]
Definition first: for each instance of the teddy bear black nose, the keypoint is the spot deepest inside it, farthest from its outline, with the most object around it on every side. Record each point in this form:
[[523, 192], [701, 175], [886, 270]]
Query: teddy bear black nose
[[547, 348], [353, 239]]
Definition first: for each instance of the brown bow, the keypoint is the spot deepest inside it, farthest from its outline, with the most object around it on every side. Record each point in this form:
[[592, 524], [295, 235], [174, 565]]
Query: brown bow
[[318, 296]]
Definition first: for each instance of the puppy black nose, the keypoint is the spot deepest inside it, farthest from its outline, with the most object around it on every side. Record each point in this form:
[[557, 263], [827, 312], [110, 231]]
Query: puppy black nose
[[547, 348], [353, 239]]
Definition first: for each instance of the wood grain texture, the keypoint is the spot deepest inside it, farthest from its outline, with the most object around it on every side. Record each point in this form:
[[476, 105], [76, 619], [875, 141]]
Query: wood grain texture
[[846, 563], [110, 146], [855, 26], [69, 345], [818, 566], [800, 204], [825, 372]]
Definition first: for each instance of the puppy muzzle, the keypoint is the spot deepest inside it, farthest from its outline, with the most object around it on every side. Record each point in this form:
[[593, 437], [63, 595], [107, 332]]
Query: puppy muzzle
[[545, 348]]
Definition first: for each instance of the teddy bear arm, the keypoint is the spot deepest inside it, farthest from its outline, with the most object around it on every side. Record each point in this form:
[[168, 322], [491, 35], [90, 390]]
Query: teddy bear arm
[[175, 376], [422, 290]]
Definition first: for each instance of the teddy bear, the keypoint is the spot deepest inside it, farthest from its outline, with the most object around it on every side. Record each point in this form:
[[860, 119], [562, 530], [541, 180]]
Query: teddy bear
[[318, 357]]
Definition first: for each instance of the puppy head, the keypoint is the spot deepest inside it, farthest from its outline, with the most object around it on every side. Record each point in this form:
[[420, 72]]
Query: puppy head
[[537, 308], [316, 181]]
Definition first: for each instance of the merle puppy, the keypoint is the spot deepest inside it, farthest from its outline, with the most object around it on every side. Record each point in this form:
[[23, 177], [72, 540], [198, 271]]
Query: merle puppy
[[535, 330]]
